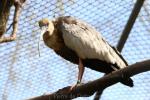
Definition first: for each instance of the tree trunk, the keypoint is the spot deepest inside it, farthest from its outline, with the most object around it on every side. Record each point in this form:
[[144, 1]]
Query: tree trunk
[[5, 6]]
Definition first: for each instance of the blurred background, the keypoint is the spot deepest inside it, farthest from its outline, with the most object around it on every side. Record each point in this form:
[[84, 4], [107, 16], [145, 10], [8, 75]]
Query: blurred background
[[23, 74]]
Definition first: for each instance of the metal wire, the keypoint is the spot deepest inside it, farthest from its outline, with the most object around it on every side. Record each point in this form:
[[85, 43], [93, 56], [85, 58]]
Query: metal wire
[[23, 74]]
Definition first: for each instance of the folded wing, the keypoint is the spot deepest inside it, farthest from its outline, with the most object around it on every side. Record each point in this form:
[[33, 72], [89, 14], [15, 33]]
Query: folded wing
[[88, 43]]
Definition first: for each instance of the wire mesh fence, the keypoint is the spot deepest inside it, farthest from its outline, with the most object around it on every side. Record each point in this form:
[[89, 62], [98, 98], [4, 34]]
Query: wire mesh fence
[[23, 74]]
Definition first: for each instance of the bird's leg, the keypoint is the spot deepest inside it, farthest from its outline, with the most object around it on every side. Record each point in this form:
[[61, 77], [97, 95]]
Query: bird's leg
[[80, 73]]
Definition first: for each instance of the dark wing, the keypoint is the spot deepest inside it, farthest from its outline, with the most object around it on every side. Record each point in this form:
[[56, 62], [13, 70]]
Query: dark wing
[[94, 64]]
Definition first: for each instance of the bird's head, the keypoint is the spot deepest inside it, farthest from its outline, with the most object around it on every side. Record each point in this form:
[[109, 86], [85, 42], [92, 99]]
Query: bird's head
[[46, 25]]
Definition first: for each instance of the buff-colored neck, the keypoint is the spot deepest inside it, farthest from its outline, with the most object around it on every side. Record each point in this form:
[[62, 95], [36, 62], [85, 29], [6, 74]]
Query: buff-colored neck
[[53, 40]]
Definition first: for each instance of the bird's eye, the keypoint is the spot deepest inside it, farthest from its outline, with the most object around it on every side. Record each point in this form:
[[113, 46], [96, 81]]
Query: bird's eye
[[43, 27]]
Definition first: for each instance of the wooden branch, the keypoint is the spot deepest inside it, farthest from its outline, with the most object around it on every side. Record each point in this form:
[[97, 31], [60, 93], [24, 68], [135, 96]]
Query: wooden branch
[[90, 88], [5, 6], [98, 94], [7, 39], [12, 37]]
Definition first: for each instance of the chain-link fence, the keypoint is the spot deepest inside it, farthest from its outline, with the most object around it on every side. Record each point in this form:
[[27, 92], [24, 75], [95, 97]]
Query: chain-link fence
[[23, 74]]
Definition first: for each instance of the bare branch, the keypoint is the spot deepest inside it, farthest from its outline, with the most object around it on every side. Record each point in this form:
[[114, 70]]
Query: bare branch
[[4, 14], [18, 5], [7, 39], [98, 95], [90, 88]]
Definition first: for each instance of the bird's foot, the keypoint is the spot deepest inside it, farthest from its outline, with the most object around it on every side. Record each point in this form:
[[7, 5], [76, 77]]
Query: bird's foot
[[74, 86]]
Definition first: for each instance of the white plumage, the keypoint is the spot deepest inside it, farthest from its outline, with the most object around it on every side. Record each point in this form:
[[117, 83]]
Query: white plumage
[[88, 43]]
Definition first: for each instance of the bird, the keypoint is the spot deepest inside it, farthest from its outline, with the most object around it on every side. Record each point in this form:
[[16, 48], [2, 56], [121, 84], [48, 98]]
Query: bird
[[80, 43]]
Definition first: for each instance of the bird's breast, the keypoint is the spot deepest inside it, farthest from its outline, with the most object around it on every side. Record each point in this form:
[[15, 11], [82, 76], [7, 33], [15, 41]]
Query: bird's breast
[[54, 42]]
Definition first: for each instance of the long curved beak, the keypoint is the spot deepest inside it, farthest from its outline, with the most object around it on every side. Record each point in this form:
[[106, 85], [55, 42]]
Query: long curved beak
[[43, 30]]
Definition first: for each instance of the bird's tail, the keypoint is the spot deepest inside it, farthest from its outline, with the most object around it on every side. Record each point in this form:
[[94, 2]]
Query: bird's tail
[[125, 81], [128, 82]]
